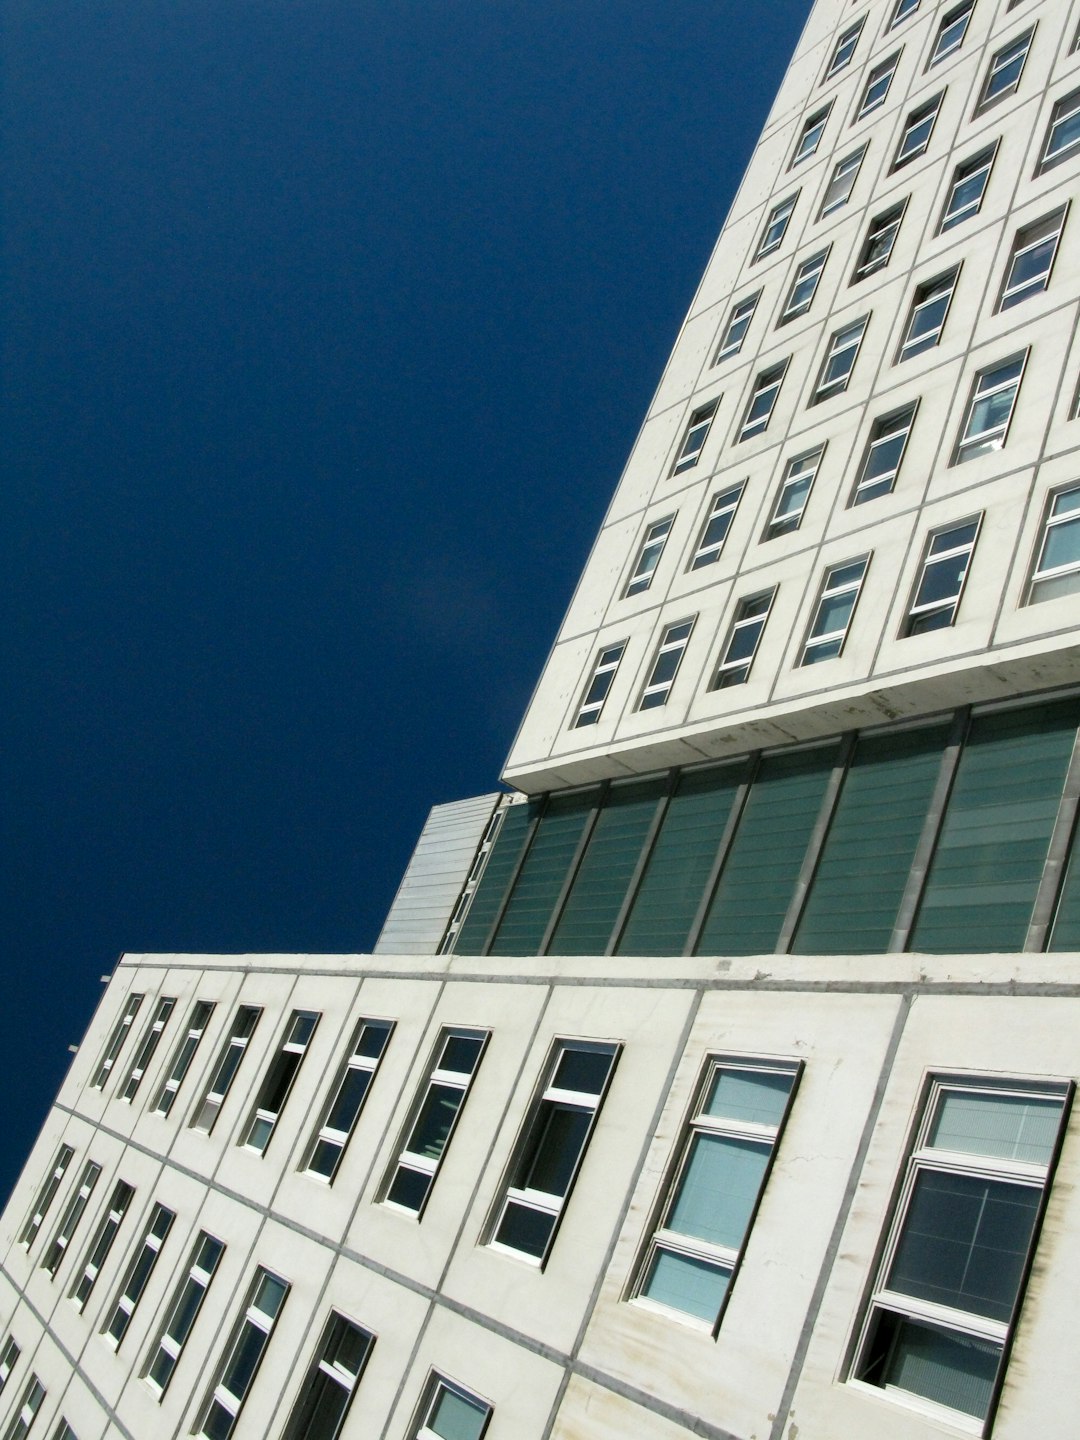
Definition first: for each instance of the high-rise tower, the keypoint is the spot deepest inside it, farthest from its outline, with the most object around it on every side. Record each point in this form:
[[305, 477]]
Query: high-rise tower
[[718, 1081]]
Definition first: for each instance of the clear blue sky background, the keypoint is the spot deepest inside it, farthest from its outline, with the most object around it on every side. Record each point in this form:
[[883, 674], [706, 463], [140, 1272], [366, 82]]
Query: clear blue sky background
[[326, 327]]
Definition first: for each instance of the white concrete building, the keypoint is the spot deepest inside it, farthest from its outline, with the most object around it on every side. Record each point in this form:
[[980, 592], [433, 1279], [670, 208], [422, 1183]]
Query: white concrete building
[[718, 1082]]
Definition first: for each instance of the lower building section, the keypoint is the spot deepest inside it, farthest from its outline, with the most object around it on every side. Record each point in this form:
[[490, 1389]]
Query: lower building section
[[747, 1198]]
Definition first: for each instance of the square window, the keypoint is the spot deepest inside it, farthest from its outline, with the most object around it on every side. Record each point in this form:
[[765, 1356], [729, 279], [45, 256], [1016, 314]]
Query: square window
[[448, 1412], [834, 610], [839, 360], [901, 10], [775, 227], [1056, 571], [697, 432], [967, 189], [941, 580], [989, 409], [717, 524], [877, 85], [879, 242], [884, 454], [600, 682], [841, 182], [1005, 71], [1032, 259], [794, 492], [951, 31], [738, 322], [666, 664], [918, 128], [929, 308], [803, 287], [844, 49], [759, 407], [742, 640], [810, 135], [648, 556], [1063, 136]]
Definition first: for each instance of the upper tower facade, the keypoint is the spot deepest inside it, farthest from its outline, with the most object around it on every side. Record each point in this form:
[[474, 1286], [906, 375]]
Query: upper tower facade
[[856, 495]]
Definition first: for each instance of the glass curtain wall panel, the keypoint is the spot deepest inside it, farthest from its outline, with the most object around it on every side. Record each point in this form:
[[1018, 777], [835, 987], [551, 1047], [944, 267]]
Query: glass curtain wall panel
[[477, 924], [681, 861], [994, 839], [766, 854], [1066, 932], [607, 868], [541, 878], [864, 866]]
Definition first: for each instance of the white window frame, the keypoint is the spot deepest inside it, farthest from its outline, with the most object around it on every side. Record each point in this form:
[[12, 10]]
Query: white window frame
[[101, 1243], [672, 646], [1042, 234], [648, 556], [844, 49], [847, 340], [878, 84], [145, 1054], [695, 436], [366, 1050], [1065, 110], [806, 279], [230, 1058], [750, 618], [842, 181], [979, 164], [1067, 497], [886, 224], [435, 1390], [800, 472], [196, 1279], [969, 446], [917, 132], [137, 1275], [24, 1417], [601, 679], [121, 1030], [46, 1195], [946, 546], [1000, 62], [69, 1220], [935, 297], [198, 1020], [279, 1080], [883, 432], [260, 1316], [9, 1358], [329, 1375], [739, 320], [716, 527], [901, 10], [776, 226], [951, 32], [762, 400], [847, 578], [810, 135]]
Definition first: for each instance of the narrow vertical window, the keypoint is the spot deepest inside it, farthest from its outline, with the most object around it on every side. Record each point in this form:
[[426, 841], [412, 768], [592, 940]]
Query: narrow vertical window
[[1032, 259], [776, 224], [666, 664], [879, 242], [697, 432], [185, 1053], [844, 49], [243, 1356], [968, 187], [810, 135], [447, 1412], [918, 128], [102, 1243], [794, 492], [121, 1031], [743, 639], [209, 1107], [69, 1221], [717, 524], [839, 360], [942, 577], [884, 455], [146, 1050], [803, 287], [1006, 68], [951, 31], [841, 182], [137, 1276], [738, 322], [26, 1414], [948, 1292], [46, 1195], [989, 410], [877, 85], [648, 556], [834, 611], [929, 309], [9, 1358], [600, 682], [551, 1148], [182, 1313], [350, 1090], [330, 1383], [762, 401], [433, 1118], [1057, 566], [278, 1080], [714, 1188]]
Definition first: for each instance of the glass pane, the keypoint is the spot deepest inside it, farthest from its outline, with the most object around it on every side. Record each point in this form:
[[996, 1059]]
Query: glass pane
[[244, 1360], [522, 1228], [758, 1098], [493, 882], [553, 1156], [718, 1189], [1062, 545], [455, 1418], [585, 1071], [950, 1369], [409, 1188], [429, 1133], [460, 1054], [685, 1283], [1009, 1127], [349, 1098]]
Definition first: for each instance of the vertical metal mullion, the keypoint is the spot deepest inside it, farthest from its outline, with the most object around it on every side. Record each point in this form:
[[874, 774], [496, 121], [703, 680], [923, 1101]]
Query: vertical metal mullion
[[738, 805], [526, 846], [1057, 856], [816, 843], [575, 866], [924, 850], [647, 848]]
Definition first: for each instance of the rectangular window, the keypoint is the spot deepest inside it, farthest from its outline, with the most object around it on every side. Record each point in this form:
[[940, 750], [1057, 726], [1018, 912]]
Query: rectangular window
[[69, 1221], [137, 1276], [951, 31], [209, 1107], [841, 182], [26, 1414], [803, 287], [243, 1355], [146, 1050], [794, 492], [697, 432], [600, 682], [46, 1195], [9, 1358], [652, 547], [1032, 259], [1063, 137], [552, 1147], [902, 10], [967, 189], [278, 1080], [775, 227], [715, 1187], [743, 639], [121, 1031], [185, 1053], [717, 524], [966, 1222], [665, 666], [182, 1313], [329, 1386], [835, 608], [433, 1118], [929, 308], [845, 49], [884, 455], [102, 1243], [449, 1413], [1057, 567], [810, 135], [762, 400], [738, 322], [918, 128], [1005, 71], [990, 408], [350, 1091], [877, 85], [941, 580], [879, 242], [839, 360]]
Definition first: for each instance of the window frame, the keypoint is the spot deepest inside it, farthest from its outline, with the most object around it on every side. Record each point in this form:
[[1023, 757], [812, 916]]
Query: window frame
[[278, 1081], [901, 10], [201, 1014], [775, 227], [842, 181], [255, 1319], [207, 1111], [981, 163], [959, 15], [1064, 109], [825, 389], [101, 1242], [741, 311], [800, 472], [436, 1387], [69, 1220], [832, 586], [1050, 522], [648, 555], [1028, 239], [116, 1041], [137, 1276], [881, 75], [735, 669], [148, 1047], [46, 1195], [924, 115], [924, 616], [601, 679], [355, 1062], [195, 1281], [937, 291], [673, 641], [882, 430], [887, 221], [810, 135], [849, 38], [964, 441], [804, 273], [988, 100], [723, 504], [695, 436], [325, 1375], [767, 387]]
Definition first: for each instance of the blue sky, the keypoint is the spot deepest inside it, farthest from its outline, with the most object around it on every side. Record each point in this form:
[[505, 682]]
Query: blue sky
[[326, 328]]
